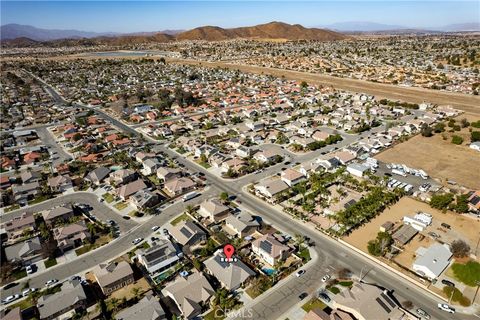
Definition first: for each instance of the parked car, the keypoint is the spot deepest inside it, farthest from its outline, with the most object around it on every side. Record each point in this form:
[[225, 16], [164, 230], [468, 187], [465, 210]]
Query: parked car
[[303, 295], [11, 298], [324, 297], [300, 273], [29, 269], [448, 283], [326, 278], [155, 228], [73, 278], [137, 240], [423, 313], [51, 282], [446, 307], [26, 292], [445, 225]]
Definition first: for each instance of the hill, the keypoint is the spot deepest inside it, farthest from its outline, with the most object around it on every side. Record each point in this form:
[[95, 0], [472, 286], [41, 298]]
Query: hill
[[272, 30], [13, 31]]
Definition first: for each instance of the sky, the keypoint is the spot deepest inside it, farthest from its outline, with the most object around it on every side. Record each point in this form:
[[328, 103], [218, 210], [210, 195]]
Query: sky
[[136, 16]]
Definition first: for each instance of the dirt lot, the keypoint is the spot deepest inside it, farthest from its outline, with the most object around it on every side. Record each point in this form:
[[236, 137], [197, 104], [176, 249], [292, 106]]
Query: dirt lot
[[439, 158], [462, 227]]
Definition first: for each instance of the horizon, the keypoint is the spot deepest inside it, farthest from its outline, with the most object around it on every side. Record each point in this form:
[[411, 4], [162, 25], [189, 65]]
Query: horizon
[[151, 16]]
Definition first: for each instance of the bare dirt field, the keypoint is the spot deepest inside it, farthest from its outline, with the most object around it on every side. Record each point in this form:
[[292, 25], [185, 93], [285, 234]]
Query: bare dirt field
[[439, 158], [463, 227]]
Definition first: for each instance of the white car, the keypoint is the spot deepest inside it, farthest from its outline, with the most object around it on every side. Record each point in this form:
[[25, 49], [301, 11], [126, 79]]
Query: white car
[[51, 282], [446, 307], [137, 241], [326, 278], [11, 298], [29, 269], [26, 292], [299, 273], [155, 228]]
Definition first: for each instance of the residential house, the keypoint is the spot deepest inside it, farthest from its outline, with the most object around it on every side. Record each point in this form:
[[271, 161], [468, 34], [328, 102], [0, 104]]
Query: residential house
[[190, 294], [431, 262], [234, 164], [242, 224], [292, 177], [113, 276], [165, 173], [4, 182], [31, 176], [265, 156], [231, 275], [71, 236], [63, 213], [365, 301], [14, 314], [144, 199], [129, 189], [187, 233], [98, 175], [160, 256], [72, 298], [320, 135], [17, 226], [122, 176], [148, 308], [60, 183], [214, 210], [178, 186], [150, 166], [243, 152], [270, 249], [344, 157], [142, 156], [26, 252], [271, 187], [474, 201], [28, 191]]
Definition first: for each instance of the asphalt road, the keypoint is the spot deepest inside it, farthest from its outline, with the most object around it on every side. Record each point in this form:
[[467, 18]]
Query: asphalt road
[[327, 249], [101, 211]]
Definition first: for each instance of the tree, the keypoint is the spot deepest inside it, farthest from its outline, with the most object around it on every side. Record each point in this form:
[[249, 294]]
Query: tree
[[460, 249], [407, 304], [224, 196], [344, 273], [135, 292], [426, 131], [464, 122], [475, 136], [304, 85], [441, 201], [461, 205], [439, 127]]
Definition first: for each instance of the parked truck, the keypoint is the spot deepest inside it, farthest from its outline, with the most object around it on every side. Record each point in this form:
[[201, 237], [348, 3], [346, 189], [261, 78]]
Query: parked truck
[[399, 172]]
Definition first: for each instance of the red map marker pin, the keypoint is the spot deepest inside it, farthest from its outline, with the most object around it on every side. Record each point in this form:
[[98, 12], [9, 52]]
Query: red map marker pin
[[228, 250]]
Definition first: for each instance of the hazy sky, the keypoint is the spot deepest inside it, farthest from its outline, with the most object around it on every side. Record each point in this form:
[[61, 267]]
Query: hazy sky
[[133, 16]]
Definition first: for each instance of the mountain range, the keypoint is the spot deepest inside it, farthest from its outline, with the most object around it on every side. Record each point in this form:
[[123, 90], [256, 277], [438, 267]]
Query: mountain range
[[23, 35]]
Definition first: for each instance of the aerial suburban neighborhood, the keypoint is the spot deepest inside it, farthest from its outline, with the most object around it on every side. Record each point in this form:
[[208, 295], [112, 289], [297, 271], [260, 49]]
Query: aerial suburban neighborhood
[[267, 172]]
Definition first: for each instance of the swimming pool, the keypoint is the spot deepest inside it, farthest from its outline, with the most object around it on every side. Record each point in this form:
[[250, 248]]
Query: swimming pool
[[269, 272]]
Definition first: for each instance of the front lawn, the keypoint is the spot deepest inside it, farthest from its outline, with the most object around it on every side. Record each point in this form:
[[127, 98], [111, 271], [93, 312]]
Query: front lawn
[[468, 273], [104, 239], [334, 290], [108, 197], [19, 274], [177, 220], [38, 200], [304, 254], [314, 303], [50, 263], [11, 208], [345, 283], [206, 165], [121, 205]]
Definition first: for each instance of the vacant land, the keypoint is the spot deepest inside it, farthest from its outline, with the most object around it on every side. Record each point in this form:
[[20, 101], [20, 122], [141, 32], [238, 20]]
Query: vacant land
[[439, 158], [467, 226]]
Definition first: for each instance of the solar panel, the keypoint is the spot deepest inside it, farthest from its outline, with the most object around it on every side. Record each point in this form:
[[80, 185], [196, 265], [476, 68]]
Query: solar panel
[[387, 298], [380, 302], [186, 233], [266, 246]]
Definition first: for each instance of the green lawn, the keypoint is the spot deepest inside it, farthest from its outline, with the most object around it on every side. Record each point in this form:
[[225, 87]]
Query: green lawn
[[38, 200], [19, 274], [154, 179], [214, 315], [108, 197], [314, 303], [11, 208], [50, 263], [206, 165], [304, 254], [334, 290], [346, 283], [468, 273], [183, 217], [121, 205]]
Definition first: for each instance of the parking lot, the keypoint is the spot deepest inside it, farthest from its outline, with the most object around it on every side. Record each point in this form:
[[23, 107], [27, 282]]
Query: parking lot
[[415, 181]]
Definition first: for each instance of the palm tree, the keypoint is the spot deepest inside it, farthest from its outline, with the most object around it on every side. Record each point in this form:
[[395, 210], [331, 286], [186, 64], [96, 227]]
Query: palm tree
[[114, 304], [135, 292]]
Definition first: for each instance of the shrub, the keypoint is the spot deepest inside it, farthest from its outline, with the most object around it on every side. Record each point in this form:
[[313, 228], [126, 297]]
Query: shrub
[[441, 201], [475, 136], [457, 139], [460, 248]]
